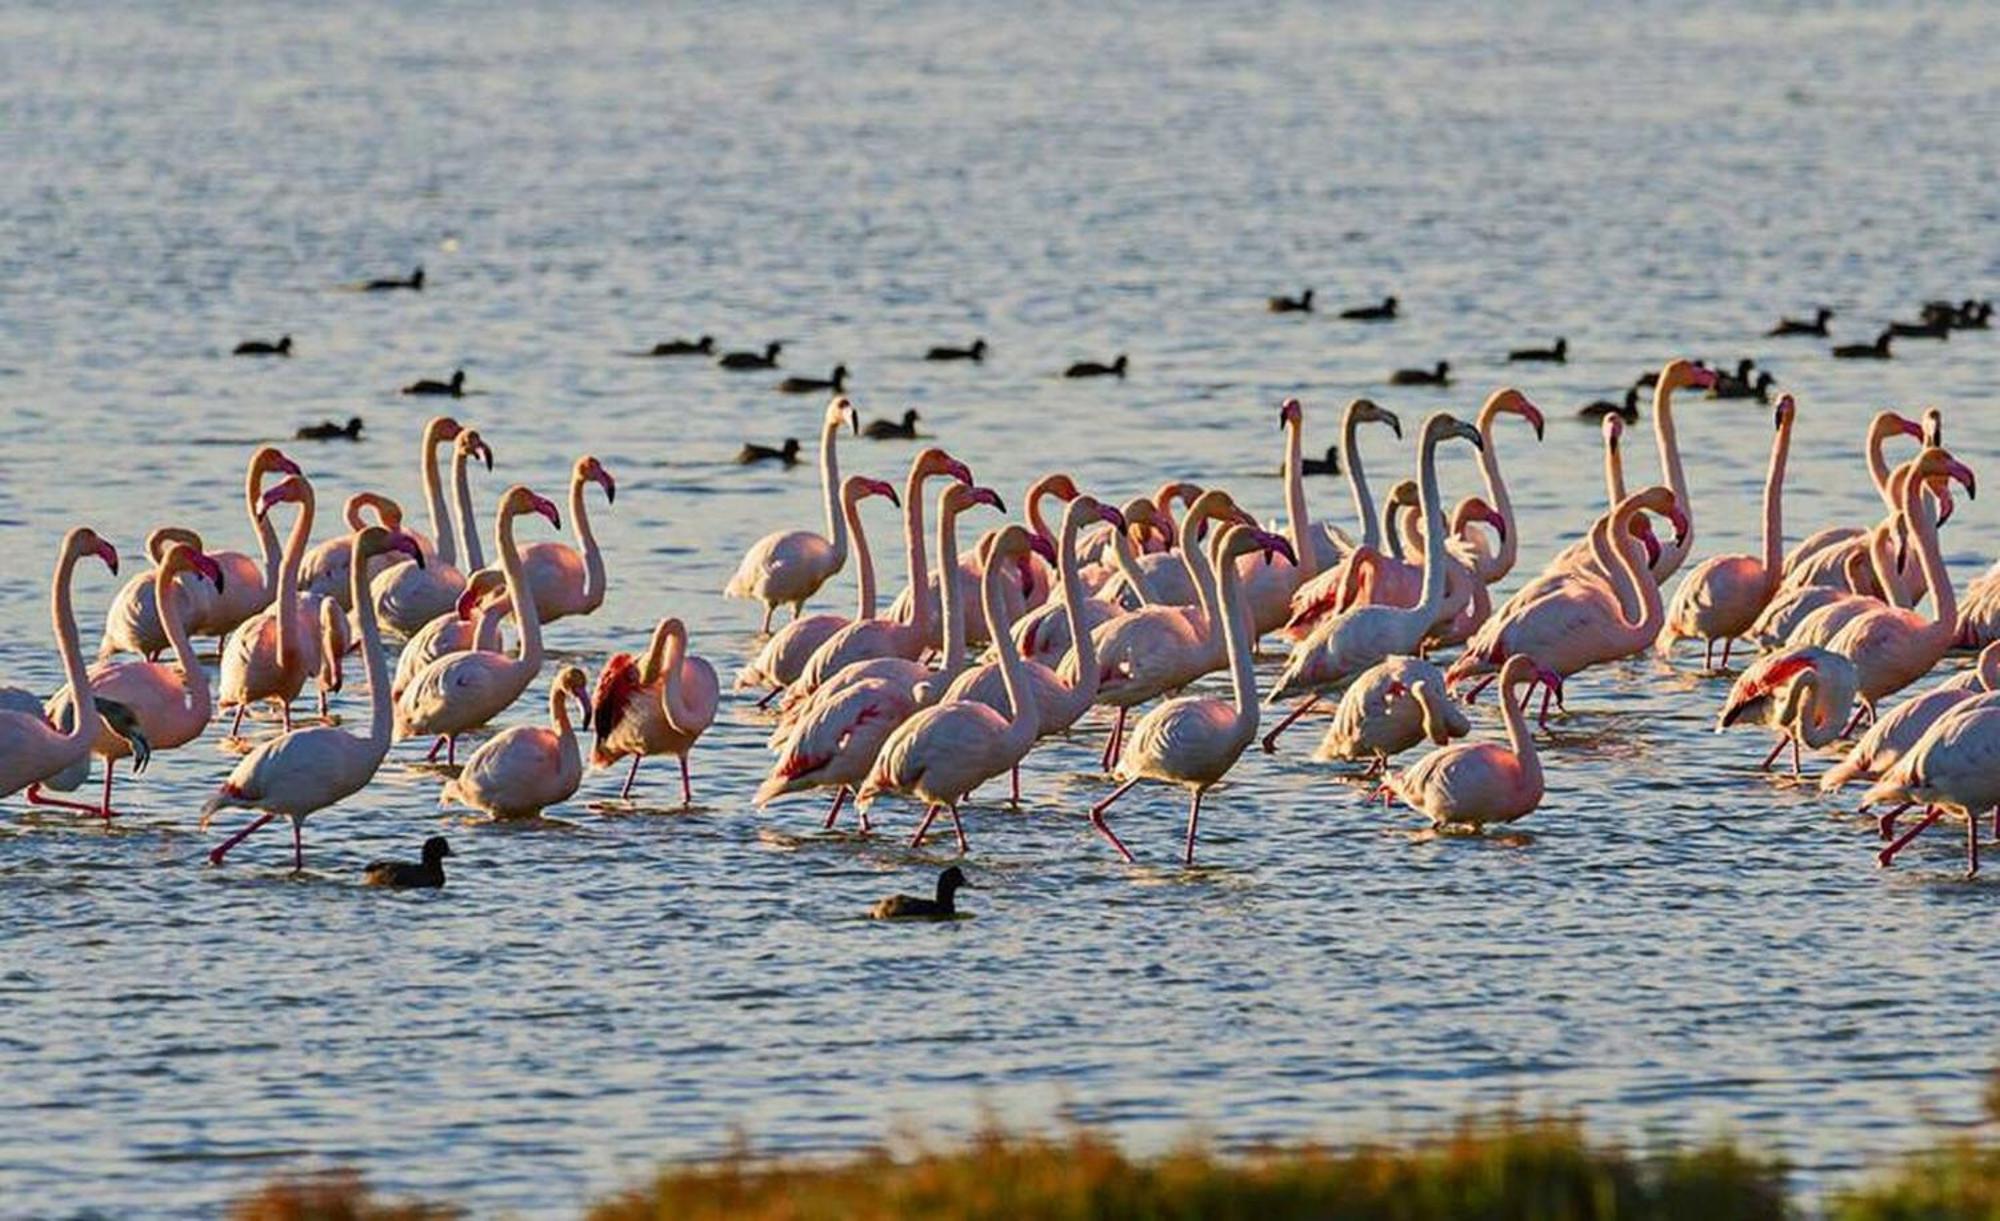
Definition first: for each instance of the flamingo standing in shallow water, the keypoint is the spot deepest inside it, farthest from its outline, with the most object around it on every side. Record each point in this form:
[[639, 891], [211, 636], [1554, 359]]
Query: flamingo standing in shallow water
[[1803, 693], [1886, 424], [1721, 597], [132, 625], [1044, 634], [571, 580], [1319, 596], [1390, 707], [660, 706], [1471, 784], [789, 566], [32, 748], [463, 691], [306, 770], [271, 654], [324, 572], [473, 624], [942, 753], [783, 658], [525, 769], [1193, 741], [1954, 767]]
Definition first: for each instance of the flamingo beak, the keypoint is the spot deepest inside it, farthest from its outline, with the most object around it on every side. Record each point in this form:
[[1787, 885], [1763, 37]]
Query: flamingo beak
[[1276, 545], [1533, 415], [1290, 413], [1679, 518], [485, 452], [883, 489], [207, 567], [1963, 473], [548, 510], [609, 485], [1701, 378], [958, 470], [467, 602], [1042, 547], [109, 554], [286, 465], [1109, 514], [1497, 520]]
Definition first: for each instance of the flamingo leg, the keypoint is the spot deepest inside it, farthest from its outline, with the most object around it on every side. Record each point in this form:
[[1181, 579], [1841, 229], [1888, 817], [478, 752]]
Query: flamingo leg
[[770, 695], [1306, 705], [1727, 645], [1113, 740], [833, 811], [322, 699], [222, 849], [285, 715], [958, 829], [35, 798], [298, 847], [1771, 758], [1548, 693], [687, 785], [1931, 815], [1097, 819], [930, 815], [1797, 774], [104, 810], [236, 726], [765, 630], [1014, 796], [436, 746], [1972, 844], [1708, 655], [1885, 826], [625, 793], [1479, 686], [1194, 821], [451, 750]]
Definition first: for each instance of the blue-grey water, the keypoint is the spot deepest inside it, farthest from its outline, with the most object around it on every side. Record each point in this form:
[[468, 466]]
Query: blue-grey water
[[1676, 945]]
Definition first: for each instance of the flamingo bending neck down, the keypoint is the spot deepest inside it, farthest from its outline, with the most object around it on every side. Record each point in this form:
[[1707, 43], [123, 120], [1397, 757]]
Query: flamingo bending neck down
[[525, 769], [1721, 597], [1193, 741], [306, 770], [1884, 425], [1317, 597], [1392, 706], [32, 748], [789, 566], [1676, 375], [1472, 784], [659, 706], [944, 752], [1803, 693], [133, 623], [473, 624], [1955, 767], [571, 580]]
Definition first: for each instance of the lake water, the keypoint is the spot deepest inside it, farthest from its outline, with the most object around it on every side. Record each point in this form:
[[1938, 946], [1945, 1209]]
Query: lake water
[[1678, 945]]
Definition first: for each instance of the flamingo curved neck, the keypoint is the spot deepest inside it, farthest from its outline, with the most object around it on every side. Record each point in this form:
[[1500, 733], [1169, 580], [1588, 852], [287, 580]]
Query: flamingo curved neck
[[1021, 716], [85, 723], [1195, 559], [673, 692], [444, 547], [948, 600], [173, 618], [1674, 554], [1502, 562], [1127, 562], [468, 529], [1879, 432], [267, 538], [1296, 514], [1082, 638], [865, 607], [586, 544], [1357, 481], [914, 560], [1434, 556], [1393, 541], [381, 709], [289, 643], [1634, 581], [1614, 475], [1037, 492], [1518, 737], [1774, 490], [829, 487], [1236, 627], [526, 616], [1922, 514]]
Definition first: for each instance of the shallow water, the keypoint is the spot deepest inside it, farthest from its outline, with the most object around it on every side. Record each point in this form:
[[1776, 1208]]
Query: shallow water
[[1674, 944]]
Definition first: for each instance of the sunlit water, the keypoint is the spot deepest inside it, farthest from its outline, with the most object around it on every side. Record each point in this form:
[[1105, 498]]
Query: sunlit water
[[1674, 944]]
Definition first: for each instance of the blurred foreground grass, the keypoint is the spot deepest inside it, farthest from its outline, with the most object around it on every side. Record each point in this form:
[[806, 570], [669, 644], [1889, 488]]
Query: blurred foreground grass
[[1500, 1168]]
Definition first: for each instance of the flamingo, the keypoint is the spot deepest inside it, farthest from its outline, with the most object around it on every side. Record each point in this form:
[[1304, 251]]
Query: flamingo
[[1721, 597], [473, 624], [1675, 375], [1318, 596], [943, 752], [324, 571], [1193, 741], [871, 638], [834, 737], [1891, 737], [784, 656], [132, 625], [1889, 576], [407, 596], [1044, 634], [32, 748], [1270, 586], [1954, 767], [661, 706], [271, 654], [791, 565], [169, 704], [463, 691], [525, 769], [1804, 693], [1979, 611], [1058, 703], [1884, 425], [1030, 592], [248, 584], [1097, 542], [306, 770], [1390, 707], [570, 580], [1344, 645], [1892, 647], [1471, 784], [1397, 582]]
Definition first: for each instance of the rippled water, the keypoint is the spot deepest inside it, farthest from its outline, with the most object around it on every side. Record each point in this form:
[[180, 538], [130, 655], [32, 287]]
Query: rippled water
[[1676, 944]]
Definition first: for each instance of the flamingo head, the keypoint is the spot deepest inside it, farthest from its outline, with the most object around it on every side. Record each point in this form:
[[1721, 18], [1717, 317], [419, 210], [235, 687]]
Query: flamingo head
[[573, 682], [590, 470], [387, 512], [1367, 411], [479, 586], [180, 557], [1089, 507], [1442, 426], [378, 540], [1177, 490], [1239, 539], [1681, 372], [1786, 410], [1642, 529], [841, 411], [861, 487], [1761, 681], [472, 445], [1475, 509], [440, 429], [1938, 464], [935, 461], [85, 541], [520, 500], [1614, 430], [962, 496], [1891, 424], [1058, 485], [294, 489], [156, 542], [1011, 543], [1511, 400], [1933, 427], [1143, 517], [1402, 495], [1291, 412], [269, 460]]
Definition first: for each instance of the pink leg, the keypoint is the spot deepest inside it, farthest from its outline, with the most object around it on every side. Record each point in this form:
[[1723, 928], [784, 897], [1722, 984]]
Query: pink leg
[[687, 785], [1726, 646], [1931, 815], [917, 840], [222, 849], [436, 746], [1113, 740], [958, 829], [1306, 705], [236, 726], [1548, 693], [1885, 826], [833, 811], [104, 810], [1097, 818], [625, 793], [1479, 686], [285, 715], [35, 798], [1014, 783], [1771, 758], [1194, 821]]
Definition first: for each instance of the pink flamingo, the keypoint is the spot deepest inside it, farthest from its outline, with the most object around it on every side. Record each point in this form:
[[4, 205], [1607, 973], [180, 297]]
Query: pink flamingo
[[1162, 579], [306, 770], [407, 596], [1193, 741], [1803, 693], [1341, 647], [324, 572], [1044, 634], [1886, 424], [1677, 374], [33, 749], [943, 752], [1721, 597], [571, 580], [473, 624], [1471, 784], [1318, 596], [789, 566], [1979, 611], [1954, 767], [132, 625], [1393, 705], [660, 706], [1793, 605], [783, 658], [169, 704], [1021, 596], [271, 654], [463, 691], [1892, 647], [1270, 587], [525, 769], [1891, 737], [248, 584]]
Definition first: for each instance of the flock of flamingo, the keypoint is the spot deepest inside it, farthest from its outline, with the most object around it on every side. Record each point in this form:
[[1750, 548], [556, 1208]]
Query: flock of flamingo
[[1017, 637]]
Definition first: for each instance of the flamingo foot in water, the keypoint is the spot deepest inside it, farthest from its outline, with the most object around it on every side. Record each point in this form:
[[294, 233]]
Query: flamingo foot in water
[[1194, 821], [1097, 819], [625, 792], [1931, 815], [1271, 739], [923, 828], [222, 849], [1885, 826], [1473, 695], [687, 785], [833, 811]]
